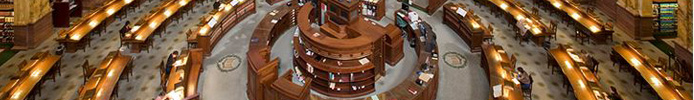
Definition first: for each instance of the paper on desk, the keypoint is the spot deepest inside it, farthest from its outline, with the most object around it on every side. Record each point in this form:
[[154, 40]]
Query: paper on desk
[[461, 12], [363, 61], [212, 22], [497, 90]]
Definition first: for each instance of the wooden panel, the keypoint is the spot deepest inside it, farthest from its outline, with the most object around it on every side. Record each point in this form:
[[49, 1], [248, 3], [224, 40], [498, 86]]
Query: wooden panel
[[640, 28], [31, 35]]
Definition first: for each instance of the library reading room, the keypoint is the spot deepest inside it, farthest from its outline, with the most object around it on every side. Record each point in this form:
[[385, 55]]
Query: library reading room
[[346, 50]]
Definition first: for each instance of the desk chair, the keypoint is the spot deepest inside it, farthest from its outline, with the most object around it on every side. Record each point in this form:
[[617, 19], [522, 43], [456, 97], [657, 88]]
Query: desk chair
[[87, 71], [553, 30], [163, 75]]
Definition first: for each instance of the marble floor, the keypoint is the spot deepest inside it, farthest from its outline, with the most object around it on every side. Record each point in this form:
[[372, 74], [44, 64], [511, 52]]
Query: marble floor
[[457, 83]]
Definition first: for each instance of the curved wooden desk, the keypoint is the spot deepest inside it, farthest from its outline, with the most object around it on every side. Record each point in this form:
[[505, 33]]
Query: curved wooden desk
[[139, 36], [262, 71], [599, 30], [585, 84], [468, 27], [662, 83], [73, 38], [497, 64], [262, 78], [31, 77], [529, 22], [104, 80], [186, 74], [218, 22]]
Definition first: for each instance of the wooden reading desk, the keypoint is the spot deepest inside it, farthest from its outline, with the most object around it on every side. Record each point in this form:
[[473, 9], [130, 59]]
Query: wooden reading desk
[[31, 77], [500, 73], [218, 22], [466, 24], [74, 38], [585, 85], [524, 20], [185, 74], [592, 26], [663, 84], [139, 37], [103, 82]]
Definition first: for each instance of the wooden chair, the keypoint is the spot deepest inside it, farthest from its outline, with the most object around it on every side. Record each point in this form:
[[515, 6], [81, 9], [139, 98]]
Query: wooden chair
[[491, 31], [162, 73], [514, 61], [581, 36], [553, 30], [87, 70]]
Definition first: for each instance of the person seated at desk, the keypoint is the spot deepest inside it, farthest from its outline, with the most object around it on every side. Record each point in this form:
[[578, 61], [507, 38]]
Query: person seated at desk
[[125, 29], [614, 95], [525, 80], [216, 4], [170, 61]]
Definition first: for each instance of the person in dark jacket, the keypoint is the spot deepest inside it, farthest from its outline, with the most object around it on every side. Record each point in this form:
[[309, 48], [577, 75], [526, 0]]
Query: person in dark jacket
[[125, 28], [170, 61], [614, 95], [216, 4]]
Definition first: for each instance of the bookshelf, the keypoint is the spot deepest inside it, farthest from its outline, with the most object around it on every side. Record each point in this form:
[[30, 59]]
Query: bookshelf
[[374, 9], [6, 21]]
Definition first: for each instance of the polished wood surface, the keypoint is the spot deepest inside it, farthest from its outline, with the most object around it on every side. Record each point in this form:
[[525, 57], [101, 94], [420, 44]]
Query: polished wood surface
[[185, 73], [500, 72], [31, 74], [581, 16], [583, 82], [337, 69], [662, 83], [533, 23], [468, 27], [288, 90], [104, 80], [143, 28], [262, 70], [637, 27], [207, 35], [88, 23]]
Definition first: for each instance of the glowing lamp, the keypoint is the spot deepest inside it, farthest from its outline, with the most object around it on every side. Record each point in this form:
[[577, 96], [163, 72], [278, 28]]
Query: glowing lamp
[[139, 37], [153, 25], [75, 37], [93, 23], [594, 29], [16, 95], [475, 25], [656, 81], [556, 4], [203, 31], [110, 11], [36, 73], [167, 13], [503, 6], [227, 7], [182, 2], [537, 30], [575, 16], [520, 17], [635, 61]]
